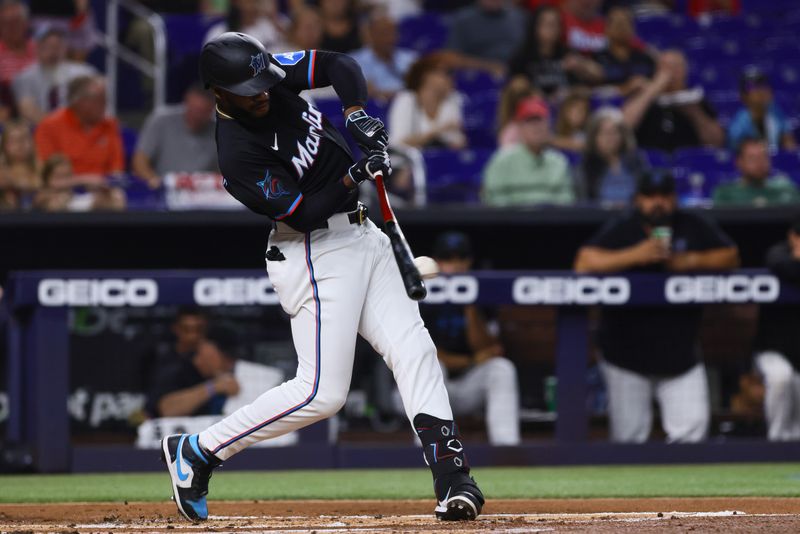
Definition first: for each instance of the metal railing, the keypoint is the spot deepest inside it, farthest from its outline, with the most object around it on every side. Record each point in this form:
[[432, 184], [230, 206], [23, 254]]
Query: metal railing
[[156, 69]]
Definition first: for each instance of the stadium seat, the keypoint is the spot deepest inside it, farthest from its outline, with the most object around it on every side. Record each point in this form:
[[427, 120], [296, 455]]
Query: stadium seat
[[424, 33], [707, 161], [472, 82], [480, 119], [140, 197], [455, 176], [694, 187], [185, 35], [787, 163], [657, 159], [599, 100], [129, 138], [670, 30]]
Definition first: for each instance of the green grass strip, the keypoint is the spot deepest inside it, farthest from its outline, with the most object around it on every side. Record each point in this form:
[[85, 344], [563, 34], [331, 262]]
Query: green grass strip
[[715, 480]]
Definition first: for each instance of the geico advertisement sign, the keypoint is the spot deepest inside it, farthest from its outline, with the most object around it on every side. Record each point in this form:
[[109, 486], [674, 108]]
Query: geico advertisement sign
[[460, 289], [712, 289], [110, 292], [234, 291], [577, 290]]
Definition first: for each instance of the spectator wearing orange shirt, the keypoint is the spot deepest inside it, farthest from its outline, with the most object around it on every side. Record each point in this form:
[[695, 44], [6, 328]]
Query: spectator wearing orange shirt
[[17, 49], [91, 141]]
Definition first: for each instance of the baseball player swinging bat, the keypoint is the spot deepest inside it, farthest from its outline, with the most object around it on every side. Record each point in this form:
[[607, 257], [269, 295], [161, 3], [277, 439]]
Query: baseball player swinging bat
[[412, 279], [331, 267]]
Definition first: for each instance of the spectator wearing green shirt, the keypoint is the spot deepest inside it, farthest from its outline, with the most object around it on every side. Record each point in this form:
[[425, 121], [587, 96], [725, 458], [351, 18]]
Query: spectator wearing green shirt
[[756, 186], [529, 172]]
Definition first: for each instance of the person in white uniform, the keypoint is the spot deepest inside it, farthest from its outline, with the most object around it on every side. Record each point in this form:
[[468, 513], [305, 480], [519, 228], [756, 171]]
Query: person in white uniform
[[477, 375], [333, 269]]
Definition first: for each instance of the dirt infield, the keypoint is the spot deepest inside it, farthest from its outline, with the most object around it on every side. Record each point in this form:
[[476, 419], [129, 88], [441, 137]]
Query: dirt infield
[[502, 516]]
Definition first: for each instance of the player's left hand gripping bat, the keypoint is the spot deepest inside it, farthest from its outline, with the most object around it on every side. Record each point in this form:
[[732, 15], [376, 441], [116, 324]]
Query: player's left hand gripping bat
[[415, 287]]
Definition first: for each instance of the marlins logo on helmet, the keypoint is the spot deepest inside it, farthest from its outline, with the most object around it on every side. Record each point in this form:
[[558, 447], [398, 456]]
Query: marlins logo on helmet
[[257, 63]]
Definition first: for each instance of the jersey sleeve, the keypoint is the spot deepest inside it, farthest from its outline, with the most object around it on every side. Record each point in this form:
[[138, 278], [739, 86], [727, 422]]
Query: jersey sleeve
[[309, 69], [265, 189]]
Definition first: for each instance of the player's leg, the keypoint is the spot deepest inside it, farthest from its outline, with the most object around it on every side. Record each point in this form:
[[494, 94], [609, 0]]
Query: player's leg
[[630, 398], [321, 285], [685, 405], [779, 396], [325, 311], [492, 384], [391, 322]]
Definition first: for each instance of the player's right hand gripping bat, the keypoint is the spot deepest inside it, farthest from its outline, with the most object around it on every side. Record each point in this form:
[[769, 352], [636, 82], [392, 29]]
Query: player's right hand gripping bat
[[415, 287]]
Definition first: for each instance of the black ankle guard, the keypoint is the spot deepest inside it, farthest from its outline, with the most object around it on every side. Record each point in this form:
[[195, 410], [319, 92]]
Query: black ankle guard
[[441, 440]]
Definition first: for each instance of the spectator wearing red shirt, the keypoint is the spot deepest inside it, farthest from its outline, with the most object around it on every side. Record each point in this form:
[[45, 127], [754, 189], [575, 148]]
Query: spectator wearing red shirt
[[584, 26], [81, 131], [17, 50]]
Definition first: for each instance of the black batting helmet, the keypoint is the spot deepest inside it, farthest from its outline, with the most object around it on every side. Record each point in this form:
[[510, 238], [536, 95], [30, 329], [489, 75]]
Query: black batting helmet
[[238, 63]]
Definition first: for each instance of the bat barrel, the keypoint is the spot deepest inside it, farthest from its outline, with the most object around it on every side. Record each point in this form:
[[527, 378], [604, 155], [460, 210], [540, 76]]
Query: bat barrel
[[412, 279]]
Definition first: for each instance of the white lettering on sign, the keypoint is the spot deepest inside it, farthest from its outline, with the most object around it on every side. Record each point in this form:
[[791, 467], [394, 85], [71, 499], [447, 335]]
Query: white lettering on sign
[[563, 290], [460, 289], [113, 292], [716, 289], [234, 291]]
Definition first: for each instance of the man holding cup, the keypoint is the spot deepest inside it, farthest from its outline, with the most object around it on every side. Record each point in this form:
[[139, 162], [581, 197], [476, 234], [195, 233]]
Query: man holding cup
[[651, 352]]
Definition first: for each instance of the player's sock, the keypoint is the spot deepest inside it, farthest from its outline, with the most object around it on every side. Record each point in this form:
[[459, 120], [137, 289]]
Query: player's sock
[[444, 454]]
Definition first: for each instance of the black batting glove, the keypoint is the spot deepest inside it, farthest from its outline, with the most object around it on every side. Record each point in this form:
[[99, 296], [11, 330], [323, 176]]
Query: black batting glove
[[369, 132], [367, 168]]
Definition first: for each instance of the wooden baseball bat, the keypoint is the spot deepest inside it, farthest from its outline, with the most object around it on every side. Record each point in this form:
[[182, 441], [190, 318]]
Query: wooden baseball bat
[[412, 280]]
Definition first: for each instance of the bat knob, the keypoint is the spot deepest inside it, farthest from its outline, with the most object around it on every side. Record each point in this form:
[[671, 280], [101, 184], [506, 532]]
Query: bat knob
[[417, 291]]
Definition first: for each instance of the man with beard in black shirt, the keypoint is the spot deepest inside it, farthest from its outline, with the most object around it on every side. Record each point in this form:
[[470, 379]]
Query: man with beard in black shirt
[[652, 351]]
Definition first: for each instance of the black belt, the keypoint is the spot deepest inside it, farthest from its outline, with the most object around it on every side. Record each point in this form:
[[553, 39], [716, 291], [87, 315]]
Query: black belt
[[357, 216]]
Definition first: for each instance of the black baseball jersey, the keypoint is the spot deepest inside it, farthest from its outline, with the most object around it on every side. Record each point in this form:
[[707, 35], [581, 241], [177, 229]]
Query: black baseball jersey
[[655, 340], [289, 164]]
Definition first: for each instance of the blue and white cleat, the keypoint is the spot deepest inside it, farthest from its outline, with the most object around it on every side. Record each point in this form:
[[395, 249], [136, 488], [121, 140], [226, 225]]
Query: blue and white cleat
[[189, 469]]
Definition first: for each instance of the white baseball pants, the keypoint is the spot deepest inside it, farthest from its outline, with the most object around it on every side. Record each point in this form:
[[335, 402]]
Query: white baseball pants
[[782, 396], [334, 283], [683, 401], [493, 385]]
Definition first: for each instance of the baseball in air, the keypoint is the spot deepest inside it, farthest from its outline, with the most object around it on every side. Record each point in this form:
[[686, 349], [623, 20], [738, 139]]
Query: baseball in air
[[427, 267]]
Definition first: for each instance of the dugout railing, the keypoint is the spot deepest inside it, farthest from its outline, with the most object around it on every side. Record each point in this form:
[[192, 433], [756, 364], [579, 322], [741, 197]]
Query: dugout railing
[[38, 360]]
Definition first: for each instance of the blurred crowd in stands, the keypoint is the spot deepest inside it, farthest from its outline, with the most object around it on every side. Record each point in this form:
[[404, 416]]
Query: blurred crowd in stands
[[507, 102]]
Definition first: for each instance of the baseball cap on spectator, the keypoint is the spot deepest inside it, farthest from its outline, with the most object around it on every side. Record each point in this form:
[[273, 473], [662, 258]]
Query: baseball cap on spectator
[[753, 78], [452, 245], [532, 107], [655, 183]]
